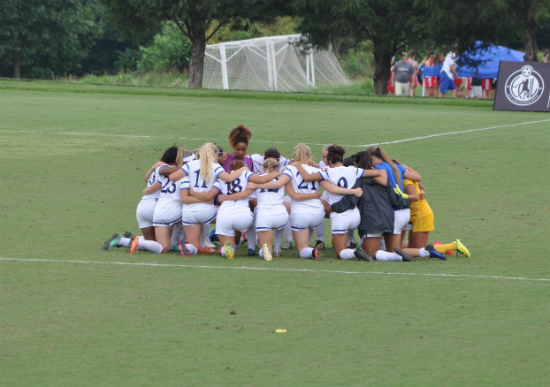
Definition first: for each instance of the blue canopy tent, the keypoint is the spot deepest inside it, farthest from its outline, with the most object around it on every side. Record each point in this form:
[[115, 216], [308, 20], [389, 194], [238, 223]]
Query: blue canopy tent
[[488, 59]]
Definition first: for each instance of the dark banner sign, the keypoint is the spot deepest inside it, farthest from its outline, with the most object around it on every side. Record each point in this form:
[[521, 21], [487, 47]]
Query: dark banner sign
[[523, 86]]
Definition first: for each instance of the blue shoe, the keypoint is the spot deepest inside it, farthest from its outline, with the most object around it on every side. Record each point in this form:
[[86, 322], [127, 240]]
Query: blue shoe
[[252, 252], [434, 253], [212, 236]]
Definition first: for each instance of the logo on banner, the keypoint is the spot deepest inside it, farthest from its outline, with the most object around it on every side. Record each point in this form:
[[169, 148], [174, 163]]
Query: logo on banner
[[524, 87]]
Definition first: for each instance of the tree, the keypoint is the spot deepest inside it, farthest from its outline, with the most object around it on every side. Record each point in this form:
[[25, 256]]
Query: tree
[[141, 19], [50, 34], [391, 25]]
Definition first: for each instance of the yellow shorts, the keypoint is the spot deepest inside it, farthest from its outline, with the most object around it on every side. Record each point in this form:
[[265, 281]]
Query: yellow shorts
[[423, 223]]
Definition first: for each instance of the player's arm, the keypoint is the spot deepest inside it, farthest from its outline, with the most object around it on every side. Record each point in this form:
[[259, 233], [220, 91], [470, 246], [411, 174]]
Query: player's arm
[[334, 189], [271, 185], [305, 175], [152, 188], [188, 199], [177, 174], [300, 196], [264, 179], [152, 169], [236, 196], [230, 177], [204, 196]]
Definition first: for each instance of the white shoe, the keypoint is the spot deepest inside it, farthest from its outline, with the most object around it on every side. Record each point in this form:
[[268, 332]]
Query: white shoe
[[277, 253], [287, 245], [209, 243]]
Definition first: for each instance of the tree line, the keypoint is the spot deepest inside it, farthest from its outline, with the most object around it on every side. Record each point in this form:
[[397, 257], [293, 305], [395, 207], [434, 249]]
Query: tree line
[[63, 36]]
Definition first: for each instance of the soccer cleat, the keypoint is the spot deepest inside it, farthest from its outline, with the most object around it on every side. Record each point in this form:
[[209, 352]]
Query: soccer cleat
[[212, 236], [434, 253], [362, 255], [352, 245], [112, 242], [406, 257], [183, 249], [448, 252], [251, 252], [228, 250], [277, 253], [207, 250], [267, 253], [318, 252], [209, 243], [133, 246], [287, 245], [128, 235], [460, 248], [321, 244]]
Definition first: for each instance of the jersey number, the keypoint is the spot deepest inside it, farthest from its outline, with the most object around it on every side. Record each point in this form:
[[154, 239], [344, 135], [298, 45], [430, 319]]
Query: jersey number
[[234, 187]]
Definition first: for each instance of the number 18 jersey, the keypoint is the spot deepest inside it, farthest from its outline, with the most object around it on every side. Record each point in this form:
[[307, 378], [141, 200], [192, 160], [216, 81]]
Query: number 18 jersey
[[238, 185]]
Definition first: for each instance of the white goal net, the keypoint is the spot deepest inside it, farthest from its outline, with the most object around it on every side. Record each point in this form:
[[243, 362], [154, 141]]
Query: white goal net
[[277, 63]]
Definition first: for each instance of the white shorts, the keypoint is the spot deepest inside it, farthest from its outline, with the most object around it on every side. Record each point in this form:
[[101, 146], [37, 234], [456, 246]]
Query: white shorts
[[341, 223], [267, 221], [401, 220], [302, 220], [227, 223], [205, 215], [375, 235], [167, 214], [145, 212]]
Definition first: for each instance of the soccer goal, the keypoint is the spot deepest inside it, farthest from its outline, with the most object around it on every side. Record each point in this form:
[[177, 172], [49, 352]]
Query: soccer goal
[[276, 63]]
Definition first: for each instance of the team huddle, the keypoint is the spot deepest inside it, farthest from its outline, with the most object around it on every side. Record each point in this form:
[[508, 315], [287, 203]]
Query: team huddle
[[265, 198]]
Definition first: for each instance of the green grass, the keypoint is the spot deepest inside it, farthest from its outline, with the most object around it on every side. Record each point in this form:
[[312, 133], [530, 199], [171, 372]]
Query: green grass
[[73, 159]]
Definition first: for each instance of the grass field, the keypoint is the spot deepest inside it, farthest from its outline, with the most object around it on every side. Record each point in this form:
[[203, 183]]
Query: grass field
[[72, 166]]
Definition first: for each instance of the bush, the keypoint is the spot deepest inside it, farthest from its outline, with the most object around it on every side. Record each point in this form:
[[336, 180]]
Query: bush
[[170, 50]]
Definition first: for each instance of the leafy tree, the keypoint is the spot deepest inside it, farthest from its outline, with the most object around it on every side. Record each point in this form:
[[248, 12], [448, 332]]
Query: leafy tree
[[390, 25], [50, 36], [170, 50], [142, 19]]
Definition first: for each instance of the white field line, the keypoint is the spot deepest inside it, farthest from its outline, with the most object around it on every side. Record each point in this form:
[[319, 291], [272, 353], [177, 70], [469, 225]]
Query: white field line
[[287, 142], [491, 277]]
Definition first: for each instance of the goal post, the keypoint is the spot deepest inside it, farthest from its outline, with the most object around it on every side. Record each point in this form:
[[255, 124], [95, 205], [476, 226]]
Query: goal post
[[276, 63]]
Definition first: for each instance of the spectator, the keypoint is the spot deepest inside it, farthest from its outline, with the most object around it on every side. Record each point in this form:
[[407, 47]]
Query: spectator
[[402, 76]]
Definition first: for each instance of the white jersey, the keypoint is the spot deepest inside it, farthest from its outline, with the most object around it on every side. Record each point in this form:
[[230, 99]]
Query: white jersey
[[195, 180], [449, 61], [344, 177], [170, 190], [238, 185], [301, 186], [154, 178], [271, 200], [258, 163]]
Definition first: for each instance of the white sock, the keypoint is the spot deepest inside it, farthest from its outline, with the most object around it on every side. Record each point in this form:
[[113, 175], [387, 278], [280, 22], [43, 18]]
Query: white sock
[[351, 237], [320, 231], [251, 236], [261, 253], [424, 253], [124, 242], [387, 256], [205, 229], [279, 239], [152, 246], [222, 251], [382, 245], [306, 252], [177, 235], [347, 254], [192, 249], [288, 230]]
